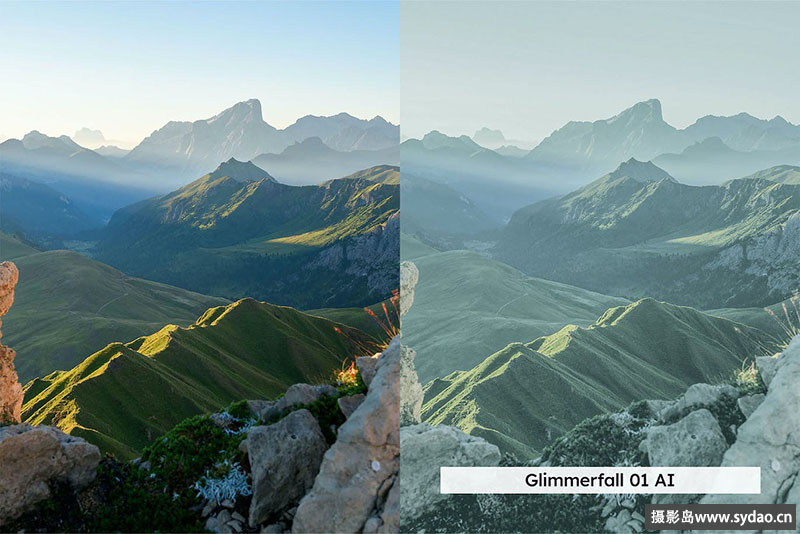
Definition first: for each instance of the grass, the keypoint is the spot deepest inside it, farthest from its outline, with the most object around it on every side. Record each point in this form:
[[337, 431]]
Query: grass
[[125, 396], [479, 305], [526, 395], [225, 236], [622, 236], [67, 306]]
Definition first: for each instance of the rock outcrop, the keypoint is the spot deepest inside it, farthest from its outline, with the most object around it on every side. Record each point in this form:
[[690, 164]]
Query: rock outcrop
[[425, 449], [284, 459], [354, 490], [10, 388], [770, 437], [34, 459]]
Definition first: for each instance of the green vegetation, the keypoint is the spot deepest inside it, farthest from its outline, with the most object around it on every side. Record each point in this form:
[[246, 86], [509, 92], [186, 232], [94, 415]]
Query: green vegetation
[[126, 395], [236, 232], [526, 395], [467, 306], [638, 232], [68, 306]]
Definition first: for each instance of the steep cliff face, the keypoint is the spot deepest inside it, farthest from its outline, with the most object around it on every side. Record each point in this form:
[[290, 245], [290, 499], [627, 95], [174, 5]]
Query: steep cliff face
[[10, 388]]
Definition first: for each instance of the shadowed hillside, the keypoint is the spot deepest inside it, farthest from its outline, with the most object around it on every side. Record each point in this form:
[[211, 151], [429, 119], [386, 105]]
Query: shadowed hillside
[[68, 306], [237, 232]]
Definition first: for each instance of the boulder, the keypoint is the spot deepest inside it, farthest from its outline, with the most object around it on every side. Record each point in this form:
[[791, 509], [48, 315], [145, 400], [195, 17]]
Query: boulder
[[766, 366], [296, 395], [425, 449], [349, 403], [284, 459], [409, 276], [32, 459], [696, 441], [747, 405], [10, 388], [770, 438], [352, 483], [366, 368], [698, 396]]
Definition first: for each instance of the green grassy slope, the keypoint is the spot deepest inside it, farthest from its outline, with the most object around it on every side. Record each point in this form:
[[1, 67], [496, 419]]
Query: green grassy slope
[[11, 247], [467, 306], [525, 395], [236, 232], [637, 232], [67, 306], [125, 395], [412, 248], [784, 174]]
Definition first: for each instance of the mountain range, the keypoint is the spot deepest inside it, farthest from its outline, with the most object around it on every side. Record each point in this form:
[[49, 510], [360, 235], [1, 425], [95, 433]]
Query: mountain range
[[238, 232], [311, 161], [524, 396], [187, 149], [640, 132], [124, 396], [38, 210], [638, 232]]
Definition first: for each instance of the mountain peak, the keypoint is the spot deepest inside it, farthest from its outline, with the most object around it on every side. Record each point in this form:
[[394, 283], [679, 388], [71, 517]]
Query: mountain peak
[[245, 110], [648, 110], [641, 171], [241, 171]]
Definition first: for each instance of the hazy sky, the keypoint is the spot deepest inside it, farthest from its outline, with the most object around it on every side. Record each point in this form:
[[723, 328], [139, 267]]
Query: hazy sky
[[127, 68], [528, 68]]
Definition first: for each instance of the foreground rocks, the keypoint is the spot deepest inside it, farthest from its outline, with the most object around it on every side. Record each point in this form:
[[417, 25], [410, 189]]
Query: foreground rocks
[[35, 459], [284, 459], [770, 438], [425, 449], [355, 489], [10, 388]]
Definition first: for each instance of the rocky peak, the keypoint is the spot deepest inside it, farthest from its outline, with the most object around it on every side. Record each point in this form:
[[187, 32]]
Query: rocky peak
[[641, 171], [647, 111], [10, 388], [241, 171]]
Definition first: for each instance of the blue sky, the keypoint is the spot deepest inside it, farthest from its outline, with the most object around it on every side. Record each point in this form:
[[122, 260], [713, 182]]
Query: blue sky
[[528, 68], [126, 68]]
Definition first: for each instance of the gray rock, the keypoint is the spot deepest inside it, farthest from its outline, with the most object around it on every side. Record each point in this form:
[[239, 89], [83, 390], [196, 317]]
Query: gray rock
[[770, 438], [366, 368], [696, 441], [296, 395], [366, 453], [766, 365], [697, 396], [326, 390], [209, 508], [239, 517], [747, 405], [258, 407], [409, 276], [234, 525], [425, 449], [284, 459], [618, 523], [34, 458], [227, 503], [410, 389], [349, 404], [274, 528]]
